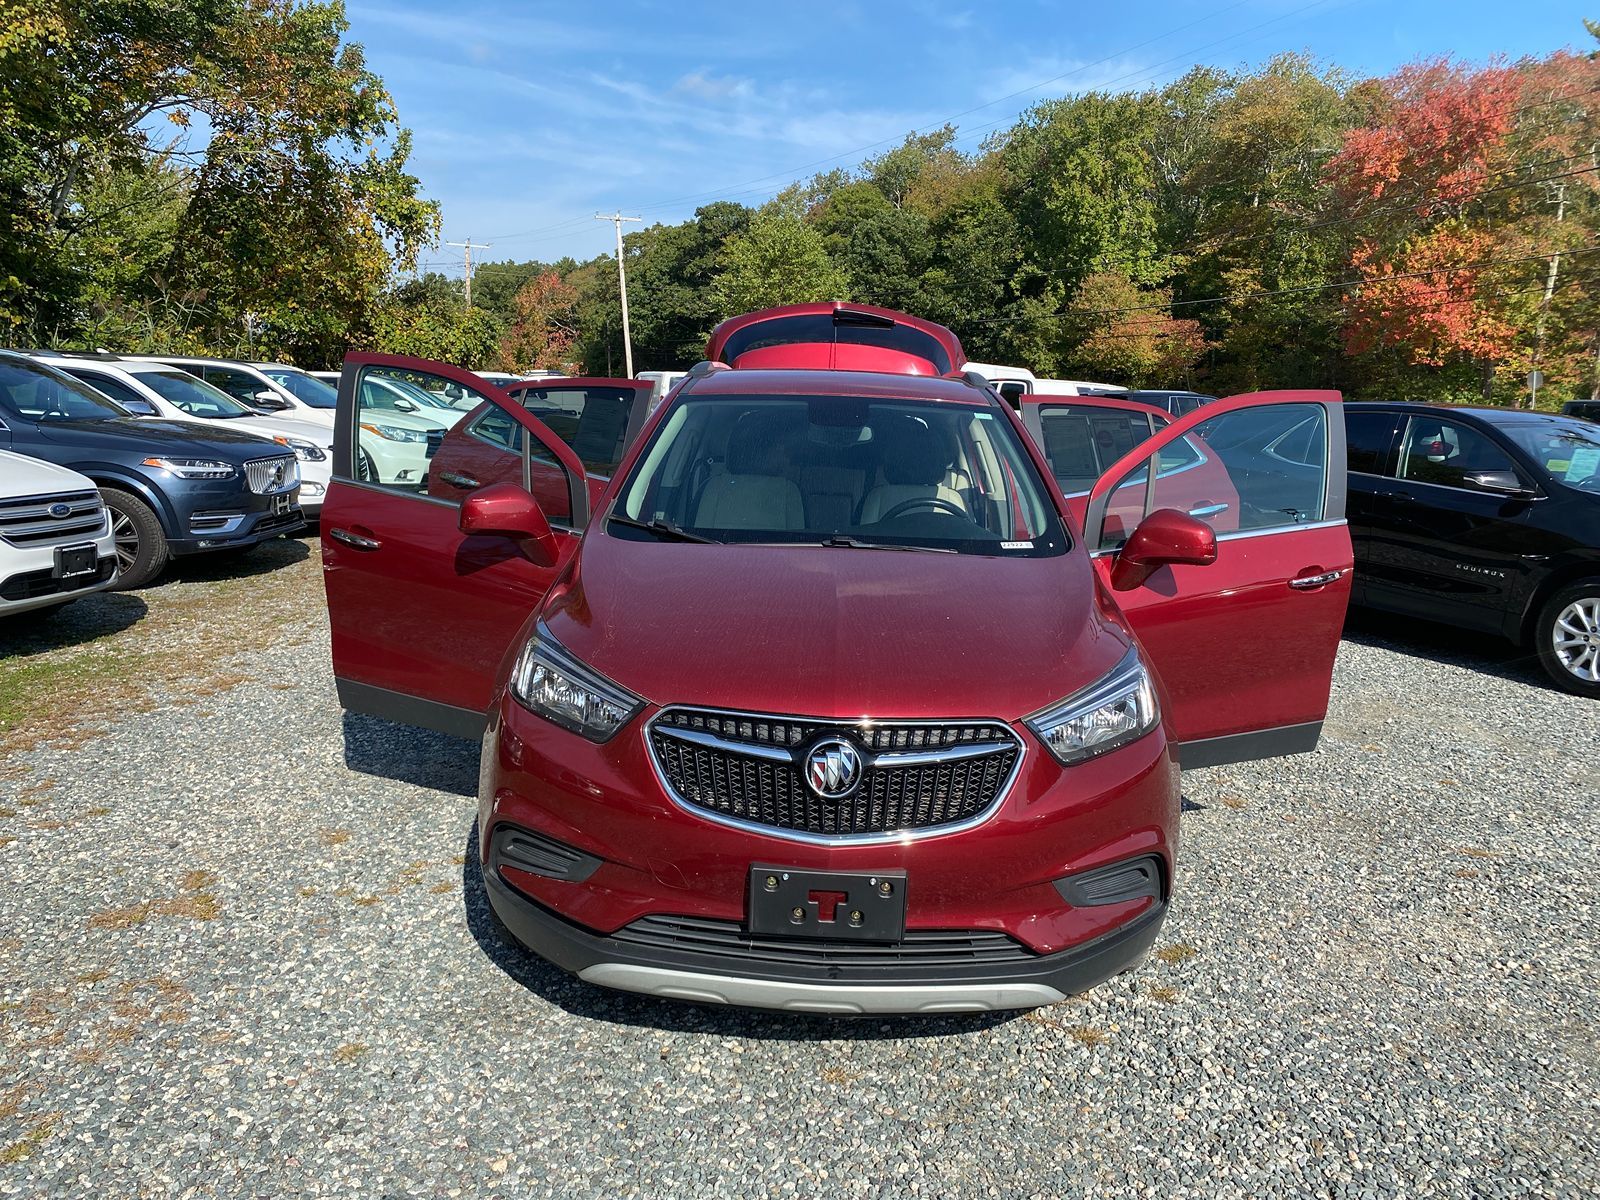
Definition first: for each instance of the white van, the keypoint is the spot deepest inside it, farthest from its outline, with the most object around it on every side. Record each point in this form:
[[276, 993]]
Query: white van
[[1016, 382]]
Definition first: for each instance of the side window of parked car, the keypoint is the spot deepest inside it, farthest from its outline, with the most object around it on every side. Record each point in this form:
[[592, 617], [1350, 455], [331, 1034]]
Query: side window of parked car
[[411, 439], [1446, 453], [1370, 439], [1081, 441], [592, 420], [105, 384]]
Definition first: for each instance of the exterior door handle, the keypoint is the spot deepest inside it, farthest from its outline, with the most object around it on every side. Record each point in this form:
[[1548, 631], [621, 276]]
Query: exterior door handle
[[354, 539], [1308, 583], [1208, 510], [456, 479]]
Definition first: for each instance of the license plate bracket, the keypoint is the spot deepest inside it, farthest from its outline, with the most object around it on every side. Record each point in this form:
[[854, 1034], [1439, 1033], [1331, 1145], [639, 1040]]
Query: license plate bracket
[[852, 906], [74, 562], [282, 502]]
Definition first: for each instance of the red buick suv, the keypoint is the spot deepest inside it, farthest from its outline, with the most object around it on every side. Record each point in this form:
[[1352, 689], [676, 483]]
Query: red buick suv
[[827, 699]]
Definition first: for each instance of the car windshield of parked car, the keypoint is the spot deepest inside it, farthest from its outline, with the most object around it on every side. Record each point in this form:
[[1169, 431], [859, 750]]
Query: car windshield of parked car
[[314, 392], [1568, 449], [41, 394], [195, 397], [841, 471]]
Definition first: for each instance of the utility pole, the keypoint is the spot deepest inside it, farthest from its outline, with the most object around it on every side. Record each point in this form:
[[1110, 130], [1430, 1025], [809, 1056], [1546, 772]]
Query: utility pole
[[617, 219], [467, 248]]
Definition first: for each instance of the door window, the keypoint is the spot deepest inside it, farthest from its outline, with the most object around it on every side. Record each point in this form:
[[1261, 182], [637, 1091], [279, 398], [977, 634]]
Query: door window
[[237, 384], [1082, 441], [592, 420], [407, 443], [1250, 470], [115, 388], [1369, 441], [1445, 453]]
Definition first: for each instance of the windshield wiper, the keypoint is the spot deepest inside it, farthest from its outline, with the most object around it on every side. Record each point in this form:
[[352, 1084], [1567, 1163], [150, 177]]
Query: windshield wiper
[[665, 529], [845, 541]]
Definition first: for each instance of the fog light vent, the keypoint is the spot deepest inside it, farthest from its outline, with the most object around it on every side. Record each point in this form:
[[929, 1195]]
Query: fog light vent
[[539, 855], [1116, 884]]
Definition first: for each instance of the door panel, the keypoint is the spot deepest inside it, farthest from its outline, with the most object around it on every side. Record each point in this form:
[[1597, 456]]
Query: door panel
[[1440, 547], [422, 615], [1244, 646]]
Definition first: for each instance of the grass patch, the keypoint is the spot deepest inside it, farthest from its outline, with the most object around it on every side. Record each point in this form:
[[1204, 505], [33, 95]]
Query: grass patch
[[1477, 852], [1176, 953], [192, 901], [838, 1076], [350, 1052], [334, 837], [111, 654], [1167, 995], [24, 1146], [439, 889], [1088, 1035]]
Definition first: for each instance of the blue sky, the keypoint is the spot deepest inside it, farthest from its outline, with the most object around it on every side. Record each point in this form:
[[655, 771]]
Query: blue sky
[[529, 118]]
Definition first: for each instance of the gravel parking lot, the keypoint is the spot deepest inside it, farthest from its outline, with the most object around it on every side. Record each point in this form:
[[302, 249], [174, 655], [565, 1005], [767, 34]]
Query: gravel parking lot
[[243, 953]]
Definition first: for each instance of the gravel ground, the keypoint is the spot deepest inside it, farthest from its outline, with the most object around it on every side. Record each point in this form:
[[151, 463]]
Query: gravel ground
[[243, 953]]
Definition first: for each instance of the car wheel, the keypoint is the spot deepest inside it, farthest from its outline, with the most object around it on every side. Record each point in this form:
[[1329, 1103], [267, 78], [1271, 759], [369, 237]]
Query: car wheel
[[1568, 637], [141, 543]]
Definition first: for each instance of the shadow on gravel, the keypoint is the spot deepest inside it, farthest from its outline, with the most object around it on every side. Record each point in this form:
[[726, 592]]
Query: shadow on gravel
[[238, 564], [410, 755], [1444, 643], [581, 999], [95, 616]]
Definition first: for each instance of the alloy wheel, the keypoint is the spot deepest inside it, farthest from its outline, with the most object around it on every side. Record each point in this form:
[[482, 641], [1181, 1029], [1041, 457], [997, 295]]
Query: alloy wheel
[[126, 535], [1576, 637]]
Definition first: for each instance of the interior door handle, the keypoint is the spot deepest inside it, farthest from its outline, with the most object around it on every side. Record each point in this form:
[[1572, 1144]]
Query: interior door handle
[[455, 479], [354, 539], [1307, 583], [1208, 510]]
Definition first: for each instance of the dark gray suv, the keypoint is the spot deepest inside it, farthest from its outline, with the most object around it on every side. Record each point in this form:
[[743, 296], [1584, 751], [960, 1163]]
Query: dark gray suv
[[172, 488]]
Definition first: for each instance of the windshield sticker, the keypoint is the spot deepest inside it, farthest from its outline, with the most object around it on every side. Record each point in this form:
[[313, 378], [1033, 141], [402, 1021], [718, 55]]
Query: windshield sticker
[[1016, 545]]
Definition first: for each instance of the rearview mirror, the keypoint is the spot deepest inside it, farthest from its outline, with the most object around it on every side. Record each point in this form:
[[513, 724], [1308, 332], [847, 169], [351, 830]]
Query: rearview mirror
[[1505, 482], [1165, 536], [506, 510]]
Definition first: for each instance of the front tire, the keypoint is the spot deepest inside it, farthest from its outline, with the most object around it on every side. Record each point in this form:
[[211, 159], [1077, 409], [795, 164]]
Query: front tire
[[1567, 635], [141, 542]]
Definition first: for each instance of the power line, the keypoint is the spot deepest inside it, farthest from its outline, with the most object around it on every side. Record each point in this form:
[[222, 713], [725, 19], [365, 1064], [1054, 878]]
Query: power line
[[467, 247]]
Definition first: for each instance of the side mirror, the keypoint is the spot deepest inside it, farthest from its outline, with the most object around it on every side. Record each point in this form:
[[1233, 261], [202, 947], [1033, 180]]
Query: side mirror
[[1165, 536], [269, 400], [404, 406], [505, 510], [141, 408], [1504, 482]]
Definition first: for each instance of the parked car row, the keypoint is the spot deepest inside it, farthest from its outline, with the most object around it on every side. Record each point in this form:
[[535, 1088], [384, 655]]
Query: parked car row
[[173, 465]]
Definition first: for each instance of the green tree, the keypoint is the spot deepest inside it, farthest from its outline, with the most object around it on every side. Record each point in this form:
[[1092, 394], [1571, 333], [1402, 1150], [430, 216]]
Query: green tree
[[779, 259]]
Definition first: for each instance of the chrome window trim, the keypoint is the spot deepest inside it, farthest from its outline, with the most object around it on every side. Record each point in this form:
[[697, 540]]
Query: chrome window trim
[[824, 839]]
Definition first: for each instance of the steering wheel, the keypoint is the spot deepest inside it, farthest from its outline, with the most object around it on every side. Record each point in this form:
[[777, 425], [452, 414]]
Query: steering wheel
[[931, 503]]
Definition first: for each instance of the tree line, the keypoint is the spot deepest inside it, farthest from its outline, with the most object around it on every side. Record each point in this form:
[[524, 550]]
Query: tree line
[[1427, 235]]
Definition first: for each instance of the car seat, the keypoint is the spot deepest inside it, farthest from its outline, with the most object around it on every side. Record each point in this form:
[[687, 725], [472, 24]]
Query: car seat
[[913, 466], [753, 492]]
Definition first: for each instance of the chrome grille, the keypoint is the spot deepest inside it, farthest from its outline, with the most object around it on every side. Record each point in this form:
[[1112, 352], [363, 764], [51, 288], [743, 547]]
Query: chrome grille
[[27, 521], [917, 775], [922, 947], [272, 474]]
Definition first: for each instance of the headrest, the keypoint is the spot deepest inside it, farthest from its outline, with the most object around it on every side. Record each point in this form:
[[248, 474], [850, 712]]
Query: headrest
[[912, 454], [756, 445]]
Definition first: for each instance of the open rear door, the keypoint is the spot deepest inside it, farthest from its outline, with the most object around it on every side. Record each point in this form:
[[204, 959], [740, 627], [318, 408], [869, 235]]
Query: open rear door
[[1244, 646], [422, 614]]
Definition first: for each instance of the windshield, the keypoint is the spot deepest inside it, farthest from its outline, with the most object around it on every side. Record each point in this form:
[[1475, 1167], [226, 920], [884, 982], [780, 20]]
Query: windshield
[[1568, 449], [837, 469], [195, 397], [41, 394], [314, 392]]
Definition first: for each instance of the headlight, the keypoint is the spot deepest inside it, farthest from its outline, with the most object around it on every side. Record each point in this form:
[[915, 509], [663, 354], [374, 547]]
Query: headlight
[[394, 433], [193, 468], [1119, 709], [549, 681], [303, 450]]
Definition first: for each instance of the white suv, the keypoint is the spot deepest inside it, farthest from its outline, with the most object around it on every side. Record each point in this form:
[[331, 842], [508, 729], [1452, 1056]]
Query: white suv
[[55, 541], [154, 389]]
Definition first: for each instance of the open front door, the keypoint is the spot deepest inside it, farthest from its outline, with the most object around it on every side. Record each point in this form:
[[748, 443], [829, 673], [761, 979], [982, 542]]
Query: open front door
[[423, 614], [1244, 645]]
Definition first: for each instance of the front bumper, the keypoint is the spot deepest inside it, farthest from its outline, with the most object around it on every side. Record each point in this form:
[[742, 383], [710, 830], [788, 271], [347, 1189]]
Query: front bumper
[[840, 989]]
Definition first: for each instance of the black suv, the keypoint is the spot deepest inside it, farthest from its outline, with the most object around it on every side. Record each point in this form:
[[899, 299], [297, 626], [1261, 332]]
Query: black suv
[[173, 488], [1589, 410], [1485, 518]]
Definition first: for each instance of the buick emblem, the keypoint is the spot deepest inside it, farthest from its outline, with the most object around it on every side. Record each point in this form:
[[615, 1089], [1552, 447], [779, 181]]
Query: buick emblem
[[59, 510], [833, 769]]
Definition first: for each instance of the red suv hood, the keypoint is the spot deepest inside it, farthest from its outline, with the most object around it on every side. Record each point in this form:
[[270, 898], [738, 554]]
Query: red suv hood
[[833, 632]]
